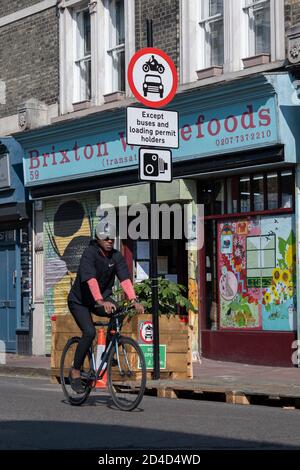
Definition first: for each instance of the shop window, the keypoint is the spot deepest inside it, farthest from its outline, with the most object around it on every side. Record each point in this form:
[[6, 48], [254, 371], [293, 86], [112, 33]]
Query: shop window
[[287, 183], [245, 194], [259, 26], [219, 197], [272, 190], [206, 196], [258, 192], [261, 260]]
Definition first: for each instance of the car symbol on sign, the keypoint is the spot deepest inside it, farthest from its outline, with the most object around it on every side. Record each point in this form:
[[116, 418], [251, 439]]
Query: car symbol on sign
[[153, 84]]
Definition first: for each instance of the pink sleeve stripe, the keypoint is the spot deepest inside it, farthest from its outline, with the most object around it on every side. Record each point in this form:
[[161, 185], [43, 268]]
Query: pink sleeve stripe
[[128, 289], [95, 289]]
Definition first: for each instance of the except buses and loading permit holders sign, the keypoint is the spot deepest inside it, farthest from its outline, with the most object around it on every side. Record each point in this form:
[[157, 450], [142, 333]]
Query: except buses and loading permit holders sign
[[153, 128]]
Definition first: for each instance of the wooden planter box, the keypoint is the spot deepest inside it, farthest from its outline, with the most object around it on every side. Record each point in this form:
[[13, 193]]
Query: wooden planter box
[[173, 333]]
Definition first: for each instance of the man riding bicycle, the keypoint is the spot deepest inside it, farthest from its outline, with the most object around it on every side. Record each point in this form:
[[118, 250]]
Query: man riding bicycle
[[99, 265]]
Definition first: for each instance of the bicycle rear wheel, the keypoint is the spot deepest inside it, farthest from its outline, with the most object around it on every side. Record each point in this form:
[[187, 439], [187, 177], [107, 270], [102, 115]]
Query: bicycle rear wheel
[[126, 371], [66, 364]]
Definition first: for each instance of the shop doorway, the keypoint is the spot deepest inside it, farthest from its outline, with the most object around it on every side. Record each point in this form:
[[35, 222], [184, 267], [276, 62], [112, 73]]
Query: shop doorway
[[8, 304]]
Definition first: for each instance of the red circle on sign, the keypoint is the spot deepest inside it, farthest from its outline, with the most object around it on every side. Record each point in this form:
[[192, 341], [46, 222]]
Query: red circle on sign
[[146, 332], [137, 94]]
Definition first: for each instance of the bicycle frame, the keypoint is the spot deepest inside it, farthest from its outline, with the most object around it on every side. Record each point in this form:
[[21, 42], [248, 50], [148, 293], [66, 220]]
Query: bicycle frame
[[103, 365]]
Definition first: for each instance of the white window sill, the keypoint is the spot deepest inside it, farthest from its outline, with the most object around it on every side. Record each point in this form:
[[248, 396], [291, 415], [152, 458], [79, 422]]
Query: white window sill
[[255, 60], [81, 105], [213, 71], [114, 96], [228, 76]]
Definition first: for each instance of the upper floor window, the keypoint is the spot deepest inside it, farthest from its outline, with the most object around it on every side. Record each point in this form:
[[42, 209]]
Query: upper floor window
[[212, 23], [117, 44], [219, 36], [82, 63], [94, 52], [259, 26]]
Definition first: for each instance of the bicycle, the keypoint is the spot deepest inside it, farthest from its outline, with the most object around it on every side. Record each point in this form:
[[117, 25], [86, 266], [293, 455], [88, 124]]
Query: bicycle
[[123, 360]]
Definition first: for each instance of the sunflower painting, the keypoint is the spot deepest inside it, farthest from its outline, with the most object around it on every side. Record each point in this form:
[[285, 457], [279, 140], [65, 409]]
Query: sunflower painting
[[257, 283], [279, 300]]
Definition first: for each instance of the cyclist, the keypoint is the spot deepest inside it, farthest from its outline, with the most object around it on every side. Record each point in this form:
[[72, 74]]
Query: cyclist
[[99, 265]]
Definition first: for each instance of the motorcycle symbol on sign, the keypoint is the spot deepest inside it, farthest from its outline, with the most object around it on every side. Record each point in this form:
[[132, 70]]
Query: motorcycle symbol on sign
[[153, 65]]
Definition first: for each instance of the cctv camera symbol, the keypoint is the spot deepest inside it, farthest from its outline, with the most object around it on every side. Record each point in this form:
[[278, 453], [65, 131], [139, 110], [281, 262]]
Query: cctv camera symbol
[[154, 165]]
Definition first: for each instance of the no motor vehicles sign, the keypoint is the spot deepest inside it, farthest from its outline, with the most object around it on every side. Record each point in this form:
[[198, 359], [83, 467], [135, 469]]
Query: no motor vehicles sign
[[152, 77]]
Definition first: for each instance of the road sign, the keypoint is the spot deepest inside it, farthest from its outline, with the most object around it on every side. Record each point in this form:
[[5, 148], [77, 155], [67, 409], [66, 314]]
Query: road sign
[[152, 77], [146, 332], [154, 128], [155, 165], [148, 355]]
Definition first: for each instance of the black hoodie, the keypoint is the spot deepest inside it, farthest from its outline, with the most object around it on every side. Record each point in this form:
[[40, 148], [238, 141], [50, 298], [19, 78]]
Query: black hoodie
[[94, 264]]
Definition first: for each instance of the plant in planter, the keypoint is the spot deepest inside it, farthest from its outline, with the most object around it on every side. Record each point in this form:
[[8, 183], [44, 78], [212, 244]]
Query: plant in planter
[[174, 335], [170, 297]]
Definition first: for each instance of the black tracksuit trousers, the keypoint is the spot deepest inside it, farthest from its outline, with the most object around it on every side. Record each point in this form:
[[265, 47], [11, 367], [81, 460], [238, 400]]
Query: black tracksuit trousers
[[83, 318]]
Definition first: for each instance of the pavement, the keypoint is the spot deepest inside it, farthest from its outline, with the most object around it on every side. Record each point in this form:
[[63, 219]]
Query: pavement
[[210, 377]]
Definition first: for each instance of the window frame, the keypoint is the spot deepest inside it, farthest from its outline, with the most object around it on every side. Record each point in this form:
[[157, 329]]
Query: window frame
[[79, 57], [249, 11], [100, 44], [236, 44], [205, 23], [114, 48], [239, 213]]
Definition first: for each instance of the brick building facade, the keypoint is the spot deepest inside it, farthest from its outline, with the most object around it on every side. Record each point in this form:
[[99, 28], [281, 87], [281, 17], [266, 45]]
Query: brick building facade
[[70, 72], [28, 59]]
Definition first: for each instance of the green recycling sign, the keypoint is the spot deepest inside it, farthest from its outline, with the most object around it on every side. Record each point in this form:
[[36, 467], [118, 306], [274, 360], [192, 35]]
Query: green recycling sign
[[148, 354]]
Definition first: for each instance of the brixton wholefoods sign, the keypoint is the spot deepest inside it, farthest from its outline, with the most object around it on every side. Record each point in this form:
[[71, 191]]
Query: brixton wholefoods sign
[[203, 132]]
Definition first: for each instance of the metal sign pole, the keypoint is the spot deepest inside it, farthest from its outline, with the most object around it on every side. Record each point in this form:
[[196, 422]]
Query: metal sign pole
[[153, 258]]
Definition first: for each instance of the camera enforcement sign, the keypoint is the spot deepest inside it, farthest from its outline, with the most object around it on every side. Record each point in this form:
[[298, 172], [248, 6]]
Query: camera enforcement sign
[[152, 77], [153, 128], [155, 165]]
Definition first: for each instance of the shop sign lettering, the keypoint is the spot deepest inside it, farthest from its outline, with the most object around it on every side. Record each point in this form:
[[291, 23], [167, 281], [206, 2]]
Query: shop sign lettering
[[201, 133]]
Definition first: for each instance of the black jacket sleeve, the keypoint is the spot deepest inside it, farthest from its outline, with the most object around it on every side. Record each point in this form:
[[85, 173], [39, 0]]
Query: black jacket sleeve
[[87, 267], [121, 268]]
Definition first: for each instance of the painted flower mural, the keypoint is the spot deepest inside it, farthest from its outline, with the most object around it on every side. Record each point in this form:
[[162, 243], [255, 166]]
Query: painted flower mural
[[279, 301], [256, 274]]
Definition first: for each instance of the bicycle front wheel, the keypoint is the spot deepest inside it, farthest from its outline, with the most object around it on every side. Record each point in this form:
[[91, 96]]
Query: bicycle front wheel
[[66, 364], [126, 371]]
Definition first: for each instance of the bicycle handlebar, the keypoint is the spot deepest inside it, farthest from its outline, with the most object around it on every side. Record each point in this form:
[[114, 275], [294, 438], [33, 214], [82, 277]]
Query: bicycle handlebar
[[119, 311]]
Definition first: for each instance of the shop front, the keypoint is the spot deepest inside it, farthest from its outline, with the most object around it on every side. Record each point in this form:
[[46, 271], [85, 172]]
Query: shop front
[[237, 160], [247, 264], [73, 170], [15, 249]]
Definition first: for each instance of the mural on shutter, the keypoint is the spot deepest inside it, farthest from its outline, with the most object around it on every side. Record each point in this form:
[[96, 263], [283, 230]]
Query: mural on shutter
[[68, 227], [256, 273]]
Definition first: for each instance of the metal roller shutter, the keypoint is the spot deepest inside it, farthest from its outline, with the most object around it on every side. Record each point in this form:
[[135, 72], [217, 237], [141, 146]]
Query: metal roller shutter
[[68, 227]]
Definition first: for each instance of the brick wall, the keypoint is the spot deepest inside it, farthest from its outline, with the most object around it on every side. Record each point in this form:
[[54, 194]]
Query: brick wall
[[10, 6], [165, 17], [292, 13], [29, 59]]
